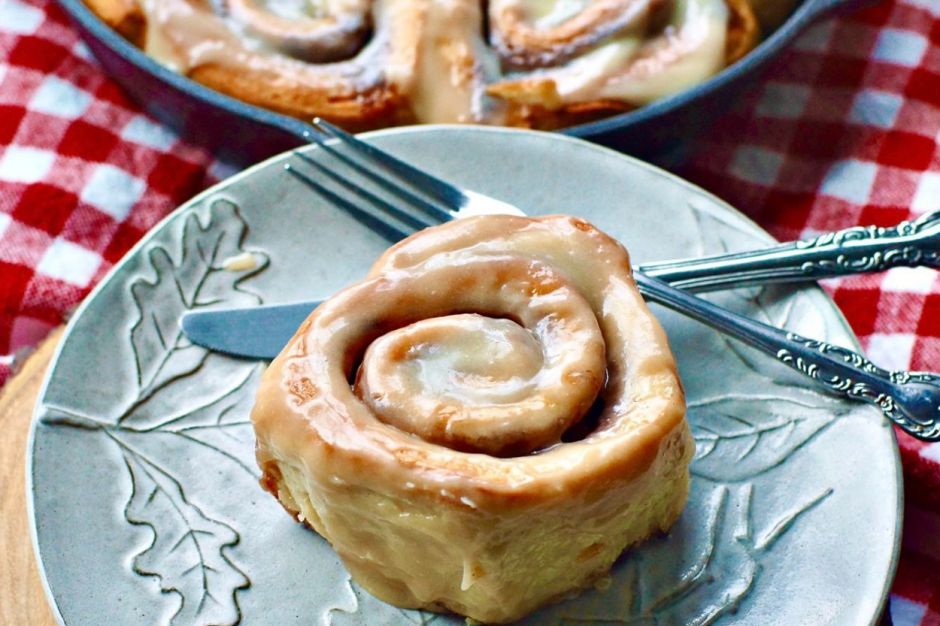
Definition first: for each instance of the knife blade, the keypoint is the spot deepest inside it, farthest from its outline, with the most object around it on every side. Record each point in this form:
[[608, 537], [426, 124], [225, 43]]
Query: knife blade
[[254, 333]]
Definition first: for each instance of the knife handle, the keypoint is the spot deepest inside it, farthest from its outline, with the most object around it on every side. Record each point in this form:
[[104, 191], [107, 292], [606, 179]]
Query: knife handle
[[855, 250]]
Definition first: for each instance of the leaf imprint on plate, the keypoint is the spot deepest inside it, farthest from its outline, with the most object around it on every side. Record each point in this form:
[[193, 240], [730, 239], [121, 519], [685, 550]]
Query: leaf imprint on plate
[[189, 552]]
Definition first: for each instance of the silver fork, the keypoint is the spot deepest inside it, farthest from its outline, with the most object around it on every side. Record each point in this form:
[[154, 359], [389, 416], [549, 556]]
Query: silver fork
[[849, 251], [909, 399]]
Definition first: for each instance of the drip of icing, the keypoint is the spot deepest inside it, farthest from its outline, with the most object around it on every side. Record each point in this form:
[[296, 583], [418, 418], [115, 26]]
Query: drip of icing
[[447, 81], [240, 262], [472, 572], [183, 37]]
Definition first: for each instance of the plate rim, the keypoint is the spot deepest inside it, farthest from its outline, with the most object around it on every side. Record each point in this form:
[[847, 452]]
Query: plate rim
[[839, 317]]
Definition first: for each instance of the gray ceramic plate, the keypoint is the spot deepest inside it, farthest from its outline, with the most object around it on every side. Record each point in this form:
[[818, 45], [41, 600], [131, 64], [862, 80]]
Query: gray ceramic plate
[[145, 499]]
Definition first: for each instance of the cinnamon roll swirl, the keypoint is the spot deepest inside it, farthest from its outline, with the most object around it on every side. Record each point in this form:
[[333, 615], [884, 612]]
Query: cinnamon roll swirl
[[372, 63], [485, 422]]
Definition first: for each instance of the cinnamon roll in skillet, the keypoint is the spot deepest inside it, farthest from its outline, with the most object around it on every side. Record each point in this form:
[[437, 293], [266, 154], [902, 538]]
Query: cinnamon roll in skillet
[[372, 63], [485, 422]]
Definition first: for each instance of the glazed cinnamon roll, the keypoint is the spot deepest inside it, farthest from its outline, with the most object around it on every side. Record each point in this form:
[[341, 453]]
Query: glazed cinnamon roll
[[632, 69], [372, 63], [485, 422]]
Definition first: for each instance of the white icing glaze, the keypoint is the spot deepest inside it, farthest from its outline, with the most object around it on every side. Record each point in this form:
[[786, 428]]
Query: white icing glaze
[[634, 68], [691, 50], [240, 262], [447, 77], [545, 14], [488, 383]]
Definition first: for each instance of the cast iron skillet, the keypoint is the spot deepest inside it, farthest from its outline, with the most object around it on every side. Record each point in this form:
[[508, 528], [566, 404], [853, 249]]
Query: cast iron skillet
[[244, 133]]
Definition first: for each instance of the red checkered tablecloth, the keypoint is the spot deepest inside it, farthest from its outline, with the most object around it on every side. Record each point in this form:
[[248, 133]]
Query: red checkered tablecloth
[[844, 130]]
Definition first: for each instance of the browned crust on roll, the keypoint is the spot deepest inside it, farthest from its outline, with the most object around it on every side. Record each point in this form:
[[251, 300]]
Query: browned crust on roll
[[124, 16], [543, 118], [547, 112], [521, 45], [743, 30], [381, 106]]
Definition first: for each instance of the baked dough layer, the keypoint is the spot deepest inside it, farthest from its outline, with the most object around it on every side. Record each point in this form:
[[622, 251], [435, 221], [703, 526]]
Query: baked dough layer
[[373, 63], [490, 536]]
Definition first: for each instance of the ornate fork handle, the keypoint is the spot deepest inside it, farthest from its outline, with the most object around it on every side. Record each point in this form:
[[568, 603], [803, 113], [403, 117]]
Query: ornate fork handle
[[909, 399], [850, 251]]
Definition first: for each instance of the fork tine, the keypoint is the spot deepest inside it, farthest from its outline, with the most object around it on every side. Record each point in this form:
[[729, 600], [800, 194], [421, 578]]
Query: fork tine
[[393, 185], [389, 231], [384, 205], [443, 192]]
